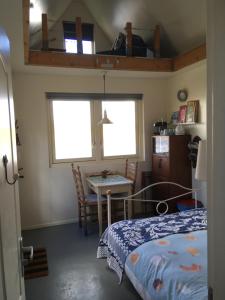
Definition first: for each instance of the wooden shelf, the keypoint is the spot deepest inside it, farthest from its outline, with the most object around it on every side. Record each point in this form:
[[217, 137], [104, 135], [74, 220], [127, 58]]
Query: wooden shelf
[[187, 123]]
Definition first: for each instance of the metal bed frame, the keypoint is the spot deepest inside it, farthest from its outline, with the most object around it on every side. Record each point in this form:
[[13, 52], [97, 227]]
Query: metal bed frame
[[159, 202]]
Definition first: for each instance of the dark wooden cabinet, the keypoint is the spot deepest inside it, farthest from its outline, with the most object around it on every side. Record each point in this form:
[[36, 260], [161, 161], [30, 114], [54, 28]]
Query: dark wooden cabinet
[[170, 162]]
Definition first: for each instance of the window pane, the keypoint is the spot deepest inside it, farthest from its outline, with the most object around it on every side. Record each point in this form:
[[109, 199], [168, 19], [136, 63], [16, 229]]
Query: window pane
[[119, 138], [71, 46], [72, 128], [87, 47]]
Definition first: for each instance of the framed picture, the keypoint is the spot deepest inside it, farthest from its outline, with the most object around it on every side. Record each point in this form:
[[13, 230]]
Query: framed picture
[[182, 114], [175, 117], [192, 111]]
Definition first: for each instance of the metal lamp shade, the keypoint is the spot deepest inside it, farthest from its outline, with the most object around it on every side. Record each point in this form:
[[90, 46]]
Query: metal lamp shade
[[105, 119]]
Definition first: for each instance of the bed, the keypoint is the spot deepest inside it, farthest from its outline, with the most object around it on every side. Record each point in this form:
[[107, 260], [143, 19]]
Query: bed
[[165, 257]]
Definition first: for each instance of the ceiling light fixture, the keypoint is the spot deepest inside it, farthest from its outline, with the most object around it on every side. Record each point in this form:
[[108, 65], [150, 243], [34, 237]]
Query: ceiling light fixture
[[105, 119]]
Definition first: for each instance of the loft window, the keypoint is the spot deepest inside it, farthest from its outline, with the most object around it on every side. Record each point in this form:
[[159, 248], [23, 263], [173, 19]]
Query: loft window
[[70, 37], [77, 136]]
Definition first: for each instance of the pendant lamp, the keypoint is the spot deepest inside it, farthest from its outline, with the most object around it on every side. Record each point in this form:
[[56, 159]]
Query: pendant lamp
[[105, 119]]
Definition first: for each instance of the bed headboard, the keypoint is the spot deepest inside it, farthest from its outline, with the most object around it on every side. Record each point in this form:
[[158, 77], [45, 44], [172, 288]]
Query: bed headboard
[[160, 203]]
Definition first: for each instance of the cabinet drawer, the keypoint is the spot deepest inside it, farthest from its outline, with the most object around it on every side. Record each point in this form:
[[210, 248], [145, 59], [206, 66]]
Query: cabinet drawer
[[160, 165]]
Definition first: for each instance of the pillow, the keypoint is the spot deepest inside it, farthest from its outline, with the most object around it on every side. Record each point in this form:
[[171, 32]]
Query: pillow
[[185, 204]]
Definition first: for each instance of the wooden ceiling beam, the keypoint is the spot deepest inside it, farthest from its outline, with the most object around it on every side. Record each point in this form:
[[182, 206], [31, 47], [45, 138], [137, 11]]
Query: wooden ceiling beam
[[189, 58], [58, 59]]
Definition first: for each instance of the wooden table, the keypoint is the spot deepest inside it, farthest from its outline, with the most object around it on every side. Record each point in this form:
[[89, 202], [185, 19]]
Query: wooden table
[[115, 183]]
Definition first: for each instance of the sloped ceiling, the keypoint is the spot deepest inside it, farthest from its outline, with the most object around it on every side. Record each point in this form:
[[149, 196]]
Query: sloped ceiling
[[54, 10], [183, 23]]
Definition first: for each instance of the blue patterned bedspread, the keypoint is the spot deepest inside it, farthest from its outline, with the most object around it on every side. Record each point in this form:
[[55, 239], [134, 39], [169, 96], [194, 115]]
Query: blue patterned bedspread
[[121, 238], [171, 268]]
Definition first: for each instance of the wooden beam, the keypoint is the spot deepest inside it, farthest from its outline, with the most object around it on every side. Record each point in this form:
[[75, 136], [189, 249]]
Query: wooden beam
[[156, 41], [70, 60], [128, 30], [59, 59], [79, 35], [26, 32], [44, 32], [189, 58]]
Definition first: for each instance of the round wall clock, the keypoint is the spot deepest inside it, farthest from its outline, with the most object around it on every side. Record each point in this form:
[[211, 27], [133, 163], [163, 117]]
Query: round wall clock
[[182, 95]]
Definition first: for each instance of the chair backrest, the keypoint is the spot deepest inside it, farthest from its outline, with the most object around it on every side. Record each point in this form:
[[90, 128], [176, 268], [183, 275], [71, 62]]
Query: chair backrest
[[78, 183], [131, 172]]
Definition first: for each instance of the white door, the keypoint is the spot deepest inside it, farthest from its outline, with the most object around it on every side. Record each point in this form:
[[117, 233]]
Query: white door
[[216, 145], [11, 280]]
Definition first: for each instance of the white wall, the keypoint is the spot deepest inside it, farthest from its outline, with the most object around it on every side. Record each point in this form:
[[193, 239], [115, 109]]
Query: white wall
[[47, 194], [192, 78]]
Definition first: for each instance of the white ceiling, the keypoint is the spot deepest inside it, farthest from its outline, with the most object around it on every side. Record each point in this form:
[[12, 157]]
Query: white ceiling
[[183, 22]]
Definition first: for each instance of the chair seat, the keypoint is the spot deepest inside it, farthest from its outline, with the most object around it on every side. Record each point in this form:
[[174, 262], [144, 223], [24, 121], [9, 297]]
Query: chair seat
[[120, 195], [93, 198]]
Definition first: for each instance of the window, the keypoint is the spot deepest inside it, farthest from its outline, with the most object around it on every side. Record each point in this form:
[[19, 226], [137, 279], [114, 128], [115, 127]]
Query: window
[[72, 129], [76, 134], [71, 46], [120, 137], [70, 37]]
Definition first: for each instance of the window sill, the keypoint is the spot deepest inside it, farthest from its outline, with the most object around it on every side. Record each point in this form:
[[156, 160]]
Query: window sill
[[93, 162]]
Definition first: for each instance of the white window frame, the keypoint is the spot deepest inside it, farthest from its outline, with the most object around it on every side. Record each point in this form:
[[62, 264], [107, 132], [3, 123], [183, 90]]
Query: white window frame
[[97, 135]]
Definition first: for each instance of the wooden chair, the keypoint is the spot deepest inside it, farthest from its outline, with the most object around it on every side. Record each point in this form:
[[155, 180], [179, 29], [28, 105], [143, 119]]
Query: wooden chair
[[84, 200], [131, 173]]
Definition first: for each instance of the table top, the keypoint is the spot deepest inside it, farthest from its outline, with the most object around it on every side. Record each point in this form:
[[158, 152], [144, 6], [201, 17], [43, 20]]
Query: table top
[[110, 180]]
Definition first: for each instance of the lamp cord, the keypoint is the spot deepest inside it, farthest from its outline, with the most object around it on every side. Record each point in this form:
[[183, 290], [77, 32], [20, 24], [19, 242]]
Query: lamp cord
[[104, 82]]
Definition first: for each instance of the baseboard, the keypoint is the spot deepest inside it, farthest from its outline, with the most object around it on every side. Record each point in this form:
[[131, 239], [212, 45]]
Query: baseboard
[[55, 223]]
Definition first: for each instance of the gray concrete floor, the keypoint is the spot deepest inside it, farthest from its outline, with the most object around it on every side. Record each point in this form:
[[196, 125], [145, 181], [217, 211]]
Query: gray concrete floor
[[74, 271]]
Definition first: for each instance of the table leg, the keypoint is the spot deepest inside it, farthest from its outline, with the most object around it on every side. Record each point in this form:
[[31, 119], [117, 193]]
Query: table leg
[[99, 213], [130, 204]]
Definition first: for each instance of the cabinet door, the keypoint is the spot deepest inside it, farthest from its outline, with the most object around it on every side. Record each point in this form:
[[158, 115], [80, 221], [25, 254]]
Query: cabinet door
[[160, 165], [159, 192]]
